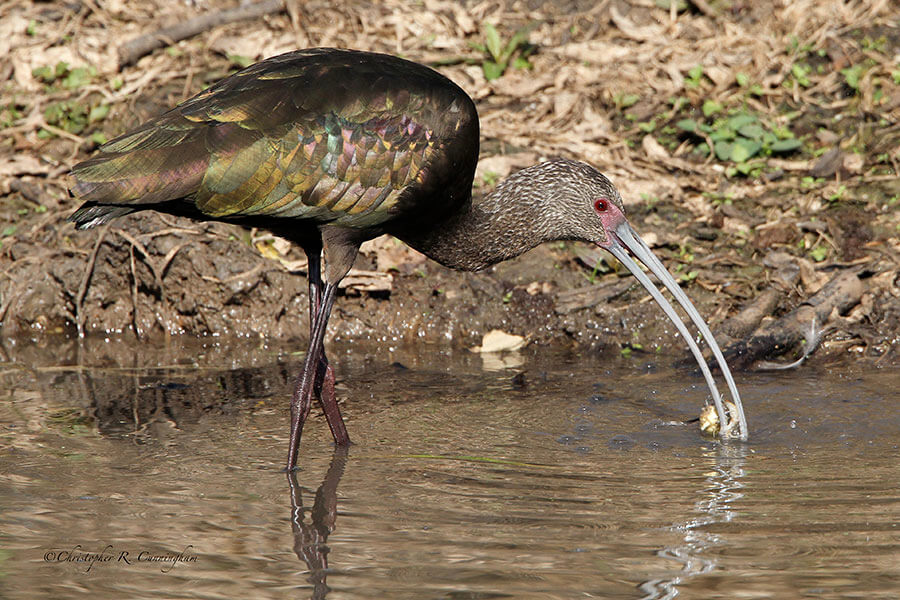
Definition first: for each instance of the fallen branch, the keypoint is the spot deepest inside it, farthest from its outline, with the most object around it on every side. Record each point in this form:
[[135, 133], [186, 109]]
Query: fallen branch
[[742, 324], [131, 51], [592, 295], [841, 293]]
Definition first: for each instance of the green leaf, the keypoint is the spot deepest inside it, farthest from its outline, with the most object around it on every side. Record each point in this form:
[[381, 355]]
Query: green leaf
[[519, 38], [627, 100], [786, 145], [754, 131], [743, 149], [711, 107], [491, 70], [746, 167], [723, 149], [78, 77], [98, 113], [852, 75], [722, 134], [742, 79], [740, 120], [493, 43], [44, 73], [800, 72], [521, 62], [689, 125], [819, 253]]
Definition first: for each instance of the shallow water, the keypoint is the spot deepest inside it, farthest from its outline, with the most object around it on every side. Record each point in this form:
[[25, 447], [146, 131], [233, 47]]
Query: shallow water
[[578, 480]]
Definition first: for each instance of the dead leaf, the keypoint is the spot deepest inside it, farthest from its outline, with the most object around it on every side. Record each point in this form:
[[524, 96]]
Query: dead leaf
[[22, 164], [653, 148], [499, 341]]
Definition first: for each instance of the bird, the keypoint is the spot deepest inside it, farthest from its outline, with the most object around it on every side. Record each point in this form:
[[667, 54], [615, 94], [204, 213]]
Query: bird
[[330, 147]]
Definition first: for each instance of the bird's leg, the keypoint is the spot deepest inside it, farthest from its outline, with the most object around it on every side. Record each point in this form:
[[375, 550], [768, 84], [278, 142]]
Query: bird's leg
[[329, 403], [305, 387], [301, 400], [324, 383]]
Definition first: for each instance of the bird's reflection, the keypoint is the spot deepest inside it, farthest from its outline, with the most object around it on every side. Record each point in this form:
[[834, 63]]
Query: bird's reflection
[[722, 487], [310, 537]]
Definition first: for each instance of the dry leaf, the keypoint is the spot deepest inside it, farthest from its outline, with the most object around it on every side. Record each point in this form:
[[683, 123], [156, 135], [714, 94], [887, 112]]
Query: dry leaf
[[499, 341], [22, 164]]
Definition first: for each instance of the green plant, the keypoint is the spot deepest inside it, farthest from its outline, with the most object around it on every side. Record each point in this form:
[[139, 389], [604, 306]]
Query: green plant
[[71, 78], [819, 253], [688, 276], [852, 76], [808, 181], [499, 55], [838, 194], [876, 45], [74, 116], [800, 73], [647, 126], [695, 77], [719, 199], [623, 100], [11, 113], [739, 137]]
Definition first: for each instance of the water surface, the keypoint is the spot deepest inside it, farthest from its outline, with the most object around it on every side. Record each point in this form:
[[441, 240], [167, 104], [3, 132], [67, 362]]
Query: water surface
[[155, 472]]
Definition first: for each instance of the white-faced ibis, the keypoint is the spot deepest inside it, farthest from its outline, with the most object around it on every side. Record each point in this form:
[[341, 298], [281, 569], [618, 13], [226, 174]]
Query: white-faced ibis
[[329, 148]]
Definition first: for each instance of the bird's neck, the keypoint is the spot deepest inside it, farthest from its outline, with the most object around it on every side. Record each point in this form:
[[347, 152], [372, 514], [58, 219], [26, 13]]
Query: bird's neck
[[484, 231]]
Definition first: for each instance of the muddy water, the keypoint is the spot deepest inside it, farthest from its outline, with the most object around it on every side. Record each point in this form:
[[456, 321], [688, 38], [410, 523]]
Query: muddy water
[[154, 472]]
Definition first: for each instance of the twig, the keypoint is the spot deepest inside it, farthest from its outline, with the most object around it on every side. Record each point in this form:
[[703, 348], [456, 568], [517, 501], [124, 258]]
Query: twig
[[134, 295], [131, 51], [85, 280], [153, 268]]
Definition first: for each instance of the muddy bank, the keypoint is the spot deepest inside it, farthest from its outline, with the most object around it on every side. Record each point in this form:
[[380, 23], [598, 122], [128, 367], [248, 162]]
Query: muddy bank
[[151, 276]]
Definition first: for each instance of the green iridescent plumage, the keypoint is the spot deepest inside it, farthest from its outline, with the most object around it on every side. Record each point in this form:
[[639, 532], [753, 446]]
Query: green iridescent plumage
[[325, 136]]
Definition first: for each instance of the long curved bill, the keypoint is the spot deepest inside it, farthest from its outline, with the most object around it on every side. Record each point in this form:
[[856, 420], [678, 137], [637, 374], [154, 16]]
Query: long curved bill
[[627, 237]]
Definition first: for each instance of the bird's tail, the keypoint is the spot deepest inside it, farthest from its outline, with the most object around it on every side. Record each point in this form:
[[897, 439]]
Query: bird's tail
[[92, 214]]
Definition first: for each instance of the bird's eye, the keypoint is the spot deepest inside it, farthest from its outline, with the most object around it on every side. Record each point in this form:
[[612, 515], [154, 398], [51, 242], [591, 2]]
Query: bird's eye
[[601, 204]]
